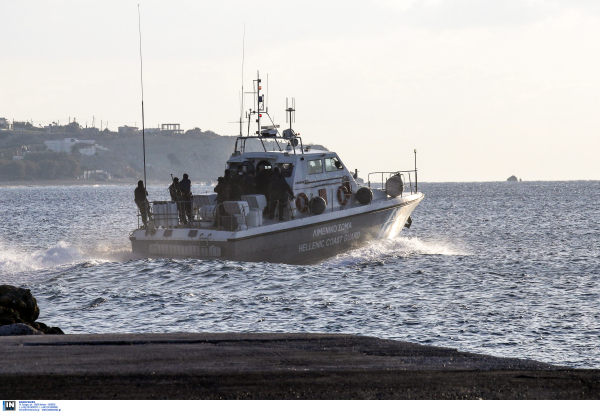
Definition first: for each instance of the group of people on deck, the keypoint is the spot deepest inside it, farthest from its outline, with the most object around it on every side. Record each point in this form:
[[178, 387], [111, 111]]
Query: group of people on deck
[[268, 182], [181, 193], [231, 187]]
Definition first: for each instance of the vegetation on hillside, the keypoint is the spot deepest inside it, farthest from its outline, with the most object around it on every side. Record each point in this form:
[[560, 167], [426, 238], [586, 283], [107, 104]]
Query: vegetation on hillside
[[41, 166]]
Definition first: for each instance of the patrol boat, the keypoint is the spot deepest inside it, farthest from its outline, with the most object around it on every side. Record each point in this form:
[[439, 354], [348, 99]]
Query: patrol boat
[[330, 214]]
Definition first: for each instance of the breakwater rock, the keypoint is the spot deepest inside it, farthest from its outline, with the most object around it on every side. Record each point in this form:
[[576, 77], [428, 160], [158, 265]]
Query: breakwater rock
[[19, 312]]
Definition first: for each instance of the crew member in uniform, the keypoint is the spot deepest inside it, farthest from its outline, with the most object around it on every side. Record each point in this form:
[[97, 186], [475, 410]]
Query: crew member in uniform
[[227, 181], [262, 180], [246, 182], [279, 192], [222, 191], [235, 187], [142, 202], [186, 196], [176, 197]]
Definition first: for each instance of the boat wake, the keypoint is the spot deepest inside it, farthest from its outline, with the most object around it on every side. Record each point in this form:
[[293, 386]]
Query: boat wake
[[18, 265], [389, 249]]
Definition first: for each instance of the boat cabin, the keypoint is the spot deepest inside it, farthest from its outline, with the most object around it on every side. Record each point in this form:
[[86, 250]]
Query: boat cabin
[[314, 173]]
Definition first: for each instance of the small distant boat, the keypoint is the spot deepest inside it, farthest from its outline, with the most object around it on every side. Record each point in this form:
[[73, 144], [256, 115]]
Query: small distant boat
[[331, 212]]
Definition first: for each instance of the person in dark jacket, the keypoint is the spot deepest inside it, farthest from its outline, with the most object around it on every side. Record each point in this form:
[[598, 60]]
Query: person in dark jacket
[[246, 182], [174, 190], [280, 192], [262, 180], [235, 188], [222, 191], [186, 196], [227, 183], [141, 201], [176, 197], [252, 183]]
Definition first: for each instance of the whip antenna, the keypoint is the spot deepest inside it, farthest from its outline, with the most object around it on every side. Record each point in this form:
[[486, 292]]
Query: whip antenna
[[243, 56], [142, 84]]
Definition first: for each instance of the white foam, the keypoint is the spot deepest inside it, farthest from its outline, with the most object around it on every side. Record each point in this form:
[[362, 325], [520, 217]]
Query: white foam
[[14, 260], [378, 250], [19, 264]]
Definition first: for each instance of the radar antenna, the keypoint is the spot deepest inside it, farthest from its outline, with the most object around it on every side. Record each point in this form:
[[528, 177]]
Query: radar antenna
[[290, 117], [290, 112]]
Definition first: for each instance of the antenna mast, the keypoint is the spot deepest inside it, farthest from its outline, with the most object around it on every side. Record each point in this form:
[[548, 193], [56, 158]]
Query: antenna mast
[[243, 56], [142, 84], [290, 112]]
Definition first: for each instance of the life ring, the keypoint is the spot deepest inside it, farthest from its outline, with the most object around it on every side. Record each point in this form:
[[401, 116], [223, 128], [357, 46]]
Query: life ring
[[302, 203], [343, 195]]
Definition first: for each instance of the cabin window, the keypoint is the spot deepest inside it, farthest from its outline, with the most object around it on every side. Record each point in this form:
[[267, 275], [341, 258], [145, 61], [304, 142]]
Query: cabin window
[[263, 165], [333, 164], [286, 169], [315, 166]]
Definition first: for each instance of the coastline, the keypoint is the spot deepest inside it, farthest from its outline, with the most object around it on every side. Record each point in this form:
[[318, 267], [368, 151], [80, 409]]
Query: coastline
[[75, 182], [271, 366]]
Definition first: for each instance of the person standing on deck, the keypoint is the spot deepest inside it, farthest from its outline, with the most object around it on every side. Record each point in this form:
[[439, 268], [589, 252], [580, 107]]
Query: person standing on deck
[[280, 191], [186, 196], [141, 201], [235, 187], [262, 180], [245, 182], [227, 182], [222, 191], [176, 197]]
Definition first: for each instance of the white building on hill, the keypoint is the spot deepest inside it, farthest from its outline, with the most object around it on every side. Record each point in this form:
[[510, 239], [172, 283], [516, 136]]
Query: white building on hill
[[85, 147]]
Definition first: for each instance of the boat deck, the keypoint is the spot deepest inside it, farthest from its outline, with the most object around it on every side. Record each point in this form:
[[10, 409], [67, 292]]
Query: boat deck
[[298, 219]]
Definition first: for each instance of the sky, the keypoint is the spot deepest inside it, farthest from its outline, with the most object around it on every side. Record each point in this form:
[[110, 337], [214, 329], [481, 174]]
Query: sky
[[482, 89]]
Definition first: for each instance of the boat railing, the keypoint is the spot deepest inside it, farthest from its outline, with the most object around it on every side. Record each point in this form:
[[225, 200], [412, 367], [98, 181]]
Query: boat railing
[[407, 176], [168, 214], [172, 215], [180, 214]]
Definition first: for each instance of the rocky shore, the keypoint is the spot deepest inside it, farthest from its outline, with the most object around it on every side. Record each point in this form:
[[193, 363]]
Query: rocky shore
[[19, 312]]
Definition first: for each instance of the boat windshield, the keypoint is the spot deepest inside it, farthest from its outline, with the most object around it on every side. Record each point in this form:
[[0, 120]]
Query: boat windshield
[[315, 166], [333, 164]]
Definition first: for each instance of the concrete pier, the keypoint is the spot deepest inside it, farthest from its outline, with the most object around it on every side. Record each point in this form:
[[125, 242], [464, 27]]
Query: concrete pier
[[270, 366]]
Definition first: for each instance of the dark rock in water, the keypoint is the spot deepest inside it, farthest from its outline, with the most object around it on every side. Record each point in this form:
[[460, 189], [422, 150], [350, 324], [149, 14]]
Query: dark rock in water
[[513, 178], [42, 327], [18, 329], [20, 300], [18, 312], [9, 316]]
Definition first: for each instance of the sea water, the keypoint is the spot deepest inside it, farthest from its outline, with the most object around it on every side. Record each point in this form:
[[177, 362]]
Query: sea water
[[506, 269]]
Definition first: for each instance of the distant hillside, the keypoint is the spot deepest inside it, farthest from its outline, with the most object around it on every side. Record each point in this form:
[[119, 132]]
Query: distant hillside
[[202, 155]]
